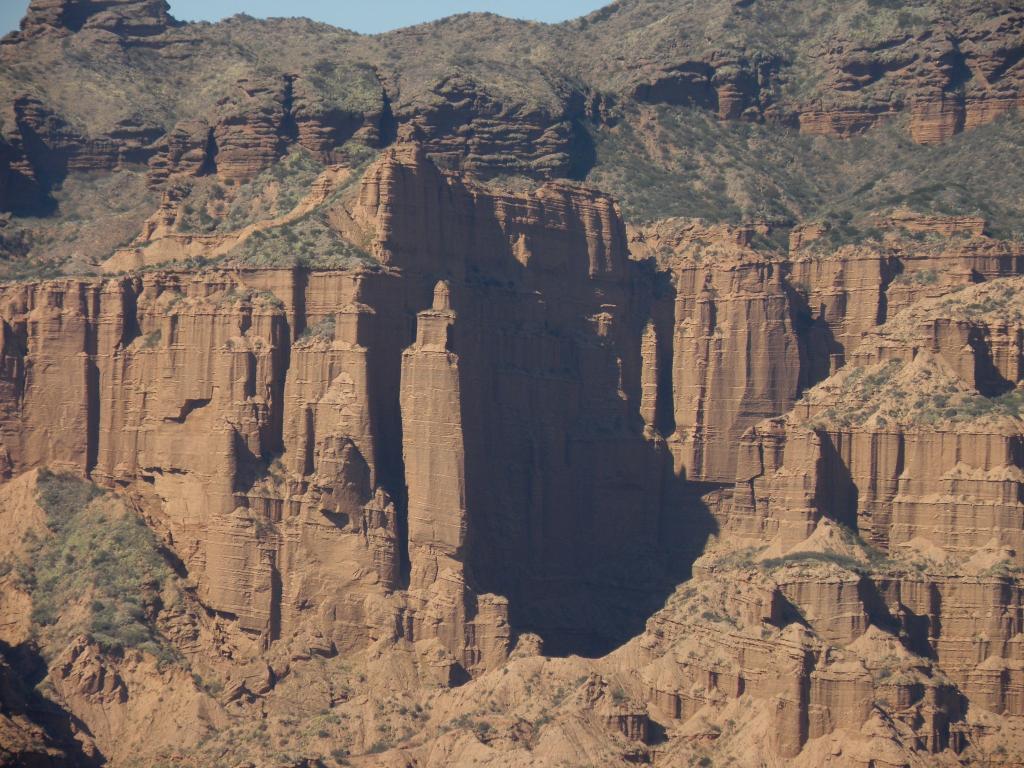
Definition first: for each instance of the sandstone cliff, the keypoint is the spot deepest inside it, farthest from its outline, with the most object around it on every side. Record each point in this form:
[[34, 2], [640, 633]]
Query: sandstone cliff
[[321, 453], [344, 420]]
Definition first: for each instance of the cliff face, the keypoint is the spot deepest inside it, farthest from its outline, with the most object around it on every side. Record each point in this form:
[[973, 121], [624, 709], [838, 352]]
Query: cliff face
[[845, 293], [721, 375], [128, 17], [344, 420], [952, 78], [311, 455], [887, 436], [323, 452], [887, 447]]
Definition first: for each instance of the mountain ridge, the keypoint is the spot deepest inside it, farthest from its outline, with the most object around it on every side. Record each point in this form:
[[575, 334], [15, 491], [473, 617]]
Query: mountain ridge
[[642, 389]]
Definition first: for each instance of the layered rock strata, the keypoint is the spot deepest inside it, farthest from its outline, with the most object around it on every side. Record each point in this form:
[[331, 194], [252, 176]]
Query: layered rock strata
[[954, 72], [916, 446], [316, 460]]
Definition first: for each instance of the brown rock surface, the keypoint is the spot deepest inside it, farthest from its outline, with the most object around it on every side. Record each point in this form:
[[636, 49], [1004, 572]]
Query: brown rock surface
[[384, 441], [131, 17], [288, 495], [24, 742], [901, 447], [319, 452], [852, 289], [129, 705]]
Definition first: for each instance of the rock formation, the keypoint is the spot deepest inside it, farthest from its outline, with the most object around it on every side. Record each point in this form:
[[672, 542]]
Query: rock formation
[[344, 420], [123, 17]]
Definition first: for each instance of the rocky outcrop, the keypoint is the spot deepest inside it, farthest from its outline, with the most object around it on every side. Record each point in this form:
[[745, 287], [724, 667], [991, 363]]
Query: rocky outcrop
[[751, 328], [122, 17], [728, 83], [843, 293], [723, 372], [253, 127], [433, 441], [463, 126], [44, 148], [952, 73], [518, 485], [24, 741], [842, 123], [946, 73], [724, 640], [415, 212], [888, 437], [916, 446], [959, 75], [127, 703], [716, 399], [305, 469]]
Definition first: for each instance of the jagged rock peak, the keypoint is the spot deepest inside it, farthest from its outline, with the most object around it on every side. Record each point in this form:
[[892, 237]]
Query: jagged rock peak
[[442, 296], [125, 17]]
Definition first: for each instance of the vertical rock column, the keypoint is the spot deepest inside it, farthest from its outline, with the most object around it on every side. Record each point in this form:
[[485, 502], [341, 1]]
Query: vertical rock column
[[736, 360], [473, 629], [433, 443], [56, 396], [339, 548], [649, 379]]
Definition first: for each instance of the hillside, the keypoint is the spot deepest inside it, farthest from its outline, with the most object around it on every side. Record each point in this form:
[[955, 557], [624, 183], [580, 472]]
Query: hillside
[[642, 389]]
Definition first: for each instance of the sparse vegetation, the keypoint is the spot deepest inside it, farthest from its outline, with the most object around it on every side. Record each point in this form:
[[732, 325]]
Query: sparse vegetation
[[309, 242], [99, 554], [832, 558], [924, 393], [310, 585], [275, 191], [922, 277], [324, 329], [93, 214], [718, 618], [731, 172], [152, 340]]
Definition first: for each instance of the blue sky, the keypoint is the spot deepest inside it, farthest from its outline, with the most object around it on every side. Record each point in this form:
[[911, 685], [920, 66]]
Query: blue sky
[[359, 15]]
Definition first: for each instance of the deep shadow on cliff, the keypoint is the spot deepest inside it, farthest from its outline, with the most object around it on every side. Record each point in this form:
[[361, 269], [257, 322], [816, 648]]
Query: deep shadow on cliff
[[575, 512], [645, 387], [22, 668]]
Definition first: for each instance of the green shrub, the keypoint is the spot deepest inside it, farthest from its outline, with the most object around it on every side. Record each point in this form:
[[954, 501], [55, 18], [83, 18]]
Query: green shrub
[[245, 203], [833, 558], [718, 618], [921, 277], [321, 330], [379, 746], [152, 340], [308, 242]]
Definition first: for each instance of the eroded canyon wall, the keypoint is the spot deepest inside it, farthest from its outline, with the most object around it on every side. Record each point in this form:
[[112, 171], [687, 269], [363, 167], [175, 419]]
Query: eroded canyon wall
[[378, 452], [523, 419]]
